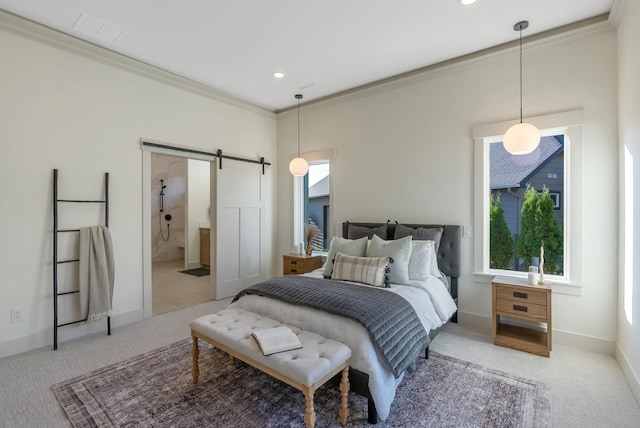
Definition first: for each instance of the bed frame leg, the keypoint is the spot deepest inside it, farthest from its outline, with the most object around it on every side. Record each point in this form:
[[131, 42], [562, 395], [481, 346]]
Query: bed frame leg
[[426, 353], [372, 412]]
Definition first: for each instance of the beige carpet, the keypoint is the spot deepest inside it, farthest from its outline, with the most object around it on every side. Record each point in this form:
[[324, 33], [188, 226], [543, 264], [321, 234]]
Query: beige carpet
[[156, 389], [587, 389]]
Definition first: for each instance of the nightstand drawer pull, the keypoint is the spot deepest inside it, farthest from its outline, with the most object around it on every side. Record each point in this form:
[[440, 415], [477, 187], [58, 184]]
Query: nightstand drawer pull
[[520, 295], [520, 308], [294, 262], [294, 270]]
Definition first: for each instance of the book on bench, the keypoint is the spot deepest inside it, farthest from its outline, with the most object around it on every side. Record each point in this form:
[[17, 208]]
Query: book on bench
[[276, 339]]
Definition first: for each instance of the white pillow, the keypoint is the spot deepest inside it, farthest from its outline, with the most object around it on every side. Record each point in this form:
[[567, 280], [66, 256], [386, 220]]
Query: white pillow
[[420, 261], [399, 250], [423, 261], [434, 270], [350, 247]]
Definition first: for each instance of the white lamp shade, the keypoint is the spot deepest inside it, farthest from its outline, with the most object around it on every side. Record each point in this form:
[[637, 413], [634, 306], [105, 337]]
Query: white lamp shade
[[521, 139], [298, 167]]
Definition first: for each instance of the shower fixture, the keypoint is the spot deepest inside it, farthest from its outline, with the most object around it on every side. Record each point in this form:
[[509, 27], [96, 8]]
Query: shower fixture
[[166, 217], [162, 187]]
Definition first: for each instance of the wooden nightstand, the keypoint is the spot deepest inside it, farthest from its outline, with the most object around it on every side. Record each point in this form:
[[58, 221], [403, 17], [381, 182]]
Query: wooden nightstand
[[515, 298], [294, 264]]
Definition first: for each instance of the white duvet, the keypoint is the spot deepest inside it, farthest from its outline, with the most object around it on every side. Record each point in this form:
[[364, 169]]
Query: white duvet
[[430, 299]]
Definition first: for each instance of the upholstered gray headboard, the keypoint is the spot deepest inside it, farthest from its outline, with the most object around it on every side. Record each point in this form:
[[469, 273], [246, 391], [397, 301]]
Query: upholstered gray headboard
[[448, 253]]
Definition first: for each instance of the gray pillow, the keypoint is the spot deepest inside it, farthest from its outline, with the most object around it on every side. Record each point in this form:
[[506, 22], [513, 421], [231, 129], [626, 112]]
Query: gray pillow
[[349, 247], [356, 232], [400, 252], [420, 234]]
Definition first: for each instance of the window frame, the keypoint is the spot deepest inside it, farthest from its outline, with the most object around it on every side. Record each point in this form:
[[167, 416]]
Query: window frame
[[571, 125], [299, 192]]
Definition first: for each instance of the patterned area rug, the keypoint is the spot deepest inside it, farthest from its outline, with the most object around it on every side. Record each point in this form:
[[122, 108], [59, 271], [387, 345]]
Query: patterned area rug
[[155, 389]]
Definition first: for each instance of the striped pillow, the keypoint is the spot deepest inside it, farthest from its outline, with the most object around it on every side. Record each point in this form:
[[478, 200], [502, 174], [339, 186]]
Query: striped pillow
[[367, 270]]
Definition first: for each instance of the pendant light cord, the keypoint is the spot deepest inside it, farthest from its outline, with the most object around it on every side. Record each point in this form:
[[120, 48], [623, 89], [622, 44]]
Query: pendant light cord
[[520, 77], [298, 97]]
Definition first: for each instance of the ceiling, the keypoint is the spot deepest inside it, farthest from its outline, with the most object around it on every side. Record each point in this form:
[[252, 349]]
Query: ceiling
[[322, 46]]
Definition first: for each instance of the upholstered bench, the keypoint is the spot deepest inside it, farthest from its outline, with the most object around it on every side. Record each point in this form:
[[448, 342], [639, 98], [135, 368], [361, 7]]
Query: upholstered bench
[[306, 369]]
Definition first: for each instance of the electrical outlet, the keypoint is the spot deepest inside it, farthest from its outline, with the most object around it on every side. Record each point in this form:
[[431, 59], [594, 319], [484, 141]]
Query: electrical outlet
[[17, 315], [466, 231]]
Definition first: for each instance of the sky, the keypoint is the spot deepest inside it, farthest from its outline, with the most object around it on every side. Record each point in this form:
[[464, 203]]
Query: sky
[[317, 173]]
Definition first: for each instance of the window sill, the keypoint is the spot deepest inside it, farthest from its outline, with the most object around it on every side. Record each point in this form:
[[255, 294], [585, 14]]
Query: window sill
[[559, 287]]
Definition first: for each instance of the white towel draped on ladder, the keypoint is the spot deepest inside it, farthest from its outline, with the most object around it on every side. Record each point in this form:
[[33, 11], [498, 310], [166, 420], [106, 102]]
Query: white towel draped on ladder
[[96, 272]]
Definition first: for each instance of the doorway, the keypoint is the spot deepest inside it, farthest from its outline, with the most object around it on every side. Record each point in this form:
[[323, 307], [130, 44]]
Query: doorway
[[236, 211], [180, 212]]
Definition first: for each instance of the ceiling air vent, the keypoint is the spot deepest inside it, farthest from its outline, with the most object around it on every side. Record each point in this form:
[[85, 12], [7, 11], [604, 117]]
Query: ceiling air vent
[[97, 28]]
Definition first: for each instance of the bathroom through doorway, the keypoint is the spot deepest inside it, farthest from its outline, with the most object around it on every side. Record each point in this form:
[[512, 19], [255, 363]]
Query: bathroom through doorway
[[180, 226]]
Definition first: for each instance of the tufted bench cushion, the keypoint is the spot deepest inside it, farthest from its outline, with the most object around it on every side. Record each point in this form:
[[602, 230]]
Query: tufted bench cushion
[[306, 369]]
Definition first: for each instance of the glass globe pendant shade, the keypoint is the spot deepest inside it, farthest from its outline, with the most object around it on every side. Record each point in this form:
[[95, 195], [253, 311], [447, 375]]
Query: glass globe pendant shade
[[298, 167], [521, 139]]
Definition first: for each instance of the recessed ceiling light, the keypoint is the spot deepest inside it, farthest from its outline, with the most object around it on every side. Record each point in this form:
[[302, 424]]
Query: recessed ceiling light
[[467, 2], [278, 75]]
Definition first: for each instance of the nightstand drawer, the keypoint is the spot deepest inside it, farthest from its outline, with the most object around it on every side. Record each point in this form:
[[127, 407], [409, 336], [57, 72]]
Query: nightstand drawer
[[521, 295], [521, 309], [297, 264], [293, 270]]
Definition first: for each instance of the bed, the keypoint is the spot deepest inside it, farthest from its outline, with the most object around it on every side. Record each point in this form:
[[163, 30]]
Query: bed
[[431, 300]]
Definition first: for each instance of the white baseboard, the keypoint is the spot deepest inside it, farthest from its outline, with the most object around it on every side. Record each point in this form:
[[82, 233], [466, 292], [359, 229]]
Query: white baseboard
[[39, 340], [588, 343], [629, 373]]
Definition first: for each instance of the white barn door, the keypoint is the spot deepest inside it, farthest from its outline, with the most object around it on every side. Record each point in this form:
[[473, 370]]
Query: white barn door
[[239, 246]]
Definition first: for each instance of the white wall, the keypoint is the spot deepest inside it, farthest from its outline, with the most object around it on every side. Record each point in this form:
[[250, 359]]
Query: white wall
[[60, 109], [628, 351], [404, 152]]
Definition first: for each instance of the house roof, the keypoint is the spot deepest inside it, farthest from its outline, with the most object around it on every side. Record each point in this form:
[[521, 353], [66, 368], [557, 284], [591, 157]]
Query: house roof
[[509, 170], [319, 189]]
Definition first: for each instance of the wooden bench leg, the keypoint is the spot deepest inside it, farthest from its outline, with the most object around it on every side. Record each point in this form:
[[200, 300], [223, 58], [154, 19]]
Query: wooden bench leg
[[195, 372], [309, 412], [344, 392]]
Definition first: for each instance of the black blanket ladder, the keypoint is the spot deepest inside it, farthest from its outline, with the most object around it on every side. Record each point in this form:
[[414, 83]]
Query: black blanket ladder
[[56, 262]]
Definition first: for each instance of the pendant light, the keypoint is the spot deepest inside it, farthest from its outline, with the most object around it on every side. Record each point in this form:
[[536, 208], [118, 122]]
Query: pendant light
[[522, 138], [298, 166]]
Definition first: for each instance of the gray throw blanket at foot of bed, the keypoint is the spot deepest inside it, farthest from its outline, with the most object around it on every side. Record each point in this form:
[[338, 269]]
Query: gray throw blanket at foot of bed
[[391, 321]]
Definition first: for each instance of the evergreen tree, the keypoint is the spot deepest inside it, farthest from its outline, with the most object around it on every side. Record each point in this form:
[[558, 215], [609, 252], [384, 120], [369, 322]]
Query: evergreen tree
[[501, 239], [537, 227]]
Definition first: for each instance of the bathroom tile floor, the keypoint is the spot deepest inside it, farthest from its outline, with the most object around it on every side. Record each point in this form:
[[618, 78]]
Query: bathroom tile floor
[[172, 290]]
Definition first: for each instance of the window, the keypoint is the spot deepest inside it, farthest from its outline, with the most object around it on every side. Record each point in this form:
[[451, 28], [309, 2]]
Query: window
[[317, 206], [555, 197], [516, 183], [313, 197], [557, 167]]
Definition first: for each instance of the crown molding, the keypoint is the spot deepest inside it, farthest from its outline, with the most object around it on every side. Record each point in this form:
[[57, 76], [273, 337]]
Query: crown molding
[[17, 25], [561, 35], [615, 16]]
